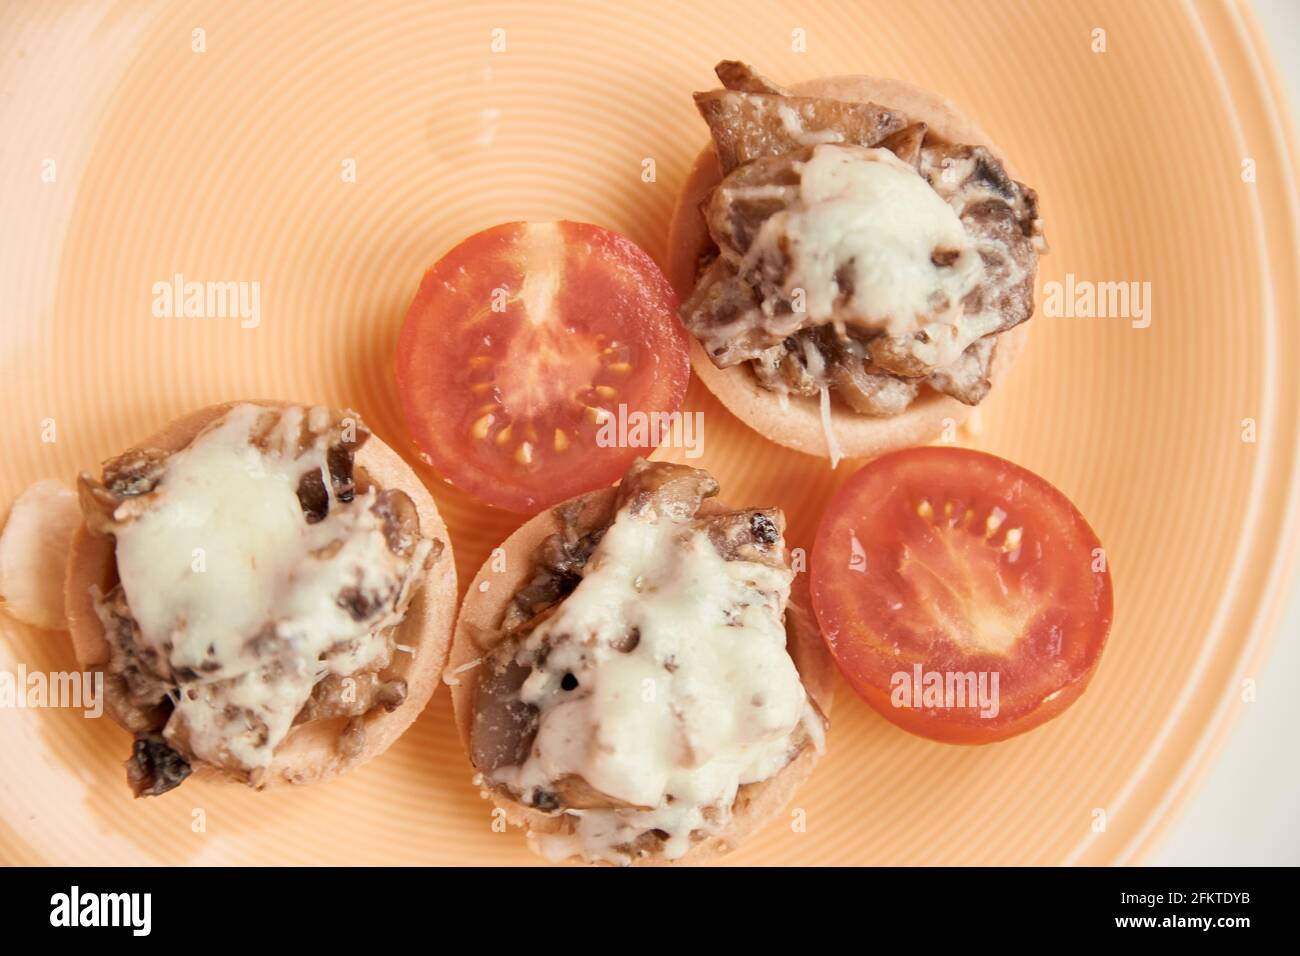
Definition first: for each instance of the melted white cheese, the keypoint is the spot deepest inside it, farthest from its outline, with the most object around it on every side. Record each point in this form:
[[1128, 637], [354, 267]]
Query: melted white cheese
[[816, 365], [793, 123], [833, 450], [867, 212], [225, 578], [707, 700]]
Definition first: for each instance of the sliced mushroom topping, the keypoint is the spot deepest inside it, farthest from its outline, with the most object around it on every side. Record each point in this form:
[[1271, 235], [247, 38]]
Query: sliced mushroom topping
[[747, 126], [747, 535], [503, 728], [313, 497], [740, 309], [154, 767], [135, 472], [744, 78], [339, 460], [784, 368], [726, 314], [352, 696], [906, 144], [665, 488], [560, 560], [401, 520], [870, 392], [741, 203], [130, 477], [232, 706], [143, 672], [967, 379]]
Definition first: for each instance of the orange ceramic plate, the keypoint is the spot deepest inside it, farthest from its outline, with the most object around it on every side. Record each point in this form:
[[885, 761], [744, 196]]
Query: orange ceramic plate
[[331, 155]]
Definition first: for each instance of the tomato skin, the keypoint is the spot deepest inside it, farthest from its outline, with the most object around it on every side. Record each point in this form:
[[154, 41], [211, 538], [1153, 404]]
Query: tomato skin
[[520, 343], [906, 572]]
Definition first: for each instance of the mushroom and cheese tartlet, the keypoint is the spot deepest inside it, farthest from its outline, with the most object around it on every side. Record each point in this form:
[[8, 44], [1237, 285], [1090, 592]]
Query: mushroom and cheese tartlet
[[635, 685], [268, 590], [853, 273]]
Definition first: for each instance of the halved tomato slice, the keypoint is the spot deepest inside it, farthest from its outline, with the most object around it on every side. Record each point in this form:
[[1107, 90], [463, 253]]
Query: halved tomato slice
[[962, 596], [526, 344]]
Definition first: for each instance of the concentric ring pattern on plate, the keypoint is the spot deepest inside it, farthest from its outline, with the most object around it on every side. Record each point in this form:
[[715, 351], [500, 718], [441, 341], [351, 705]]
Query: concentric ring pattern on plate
[[229, 164]]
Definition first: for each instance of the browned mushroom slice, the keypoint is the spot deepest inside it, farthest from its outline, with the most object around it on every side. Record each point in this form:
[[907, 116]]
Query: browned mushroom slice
[[917, 355], [975, 182], [724, 314], [783, 368], [718, 311], [131, 476], [401, 521], [747, 126], [747, 535], [503, 728], [749, 196], [675, 491], [559, 561], [338, 460], [137, 676], [896, 355], [338, 696], [1010, 259], [135, 472], [745, 79], [347, 434], [906, 144], [340, 427], [558, 571], [343, 433], [312, 497], [870, 392], [737, 211], [967, 379], [154, 767], [952, 168]]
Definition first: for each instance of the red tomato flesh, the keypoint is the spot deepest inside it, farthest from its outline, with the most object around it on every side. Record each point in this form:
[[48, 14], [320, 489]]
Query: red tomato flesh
[[522, 343], [960, 564]]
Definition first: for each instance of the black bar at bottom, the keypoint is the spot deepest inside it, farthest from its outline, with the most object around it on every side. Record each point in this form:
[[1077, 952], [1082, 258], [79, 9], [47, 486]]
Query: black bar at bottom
[[553, 907]]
